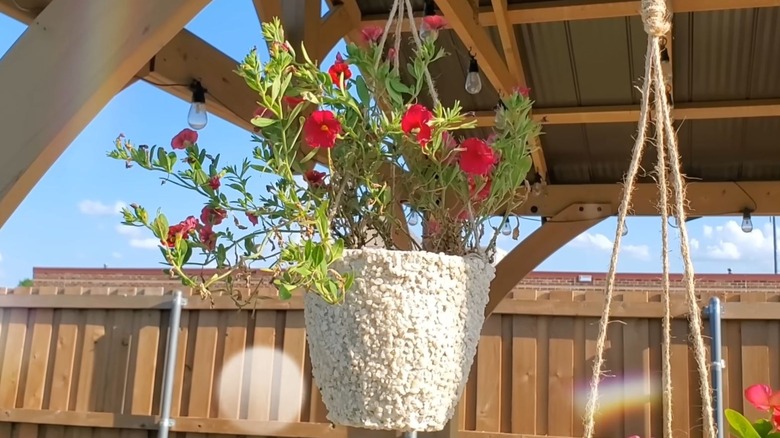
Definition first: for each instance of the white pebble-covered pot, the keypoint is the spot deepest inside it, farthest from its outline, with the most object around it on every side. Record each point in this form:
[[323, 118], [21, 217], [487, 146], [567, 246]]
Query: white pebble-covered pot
[[397, 353]]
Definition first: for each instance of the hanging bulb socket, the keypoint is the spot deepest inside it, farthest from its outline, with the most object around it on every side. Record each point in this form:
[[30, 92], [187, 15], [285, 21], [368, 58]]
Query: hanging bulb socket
[[198, 116], [747, 222], [473, 81], [429, 8]]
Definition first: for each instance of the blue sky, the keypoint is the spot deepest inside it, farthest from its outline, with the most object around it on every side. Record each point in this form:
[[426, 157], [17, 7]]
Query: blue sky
[[69, 218]]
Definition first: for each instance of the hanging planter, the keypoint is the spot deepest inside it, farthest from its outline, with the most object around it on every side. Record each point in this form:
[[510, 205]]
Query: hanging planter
[[397, 353], [392, 330]]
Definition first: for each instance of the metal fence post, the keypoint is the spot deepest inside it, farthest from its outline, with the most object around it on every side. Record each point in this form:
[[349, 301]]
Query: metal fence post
[[166, 422], [714, 311]]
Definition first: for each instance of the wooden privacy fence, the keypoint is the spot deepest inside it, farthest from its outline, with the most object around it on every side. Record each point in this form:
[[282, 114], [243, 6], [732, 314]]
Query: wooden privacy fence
[[80, 362]]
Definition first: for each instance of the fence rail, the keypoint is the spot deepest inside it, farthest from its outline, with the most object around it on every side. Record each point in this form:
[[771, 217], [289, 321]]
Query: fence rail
[[77, 360]]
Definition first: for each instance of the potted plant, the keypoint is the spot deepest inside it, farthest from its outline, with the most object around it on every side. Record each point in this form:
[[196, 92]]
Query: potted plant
[[392, 330]]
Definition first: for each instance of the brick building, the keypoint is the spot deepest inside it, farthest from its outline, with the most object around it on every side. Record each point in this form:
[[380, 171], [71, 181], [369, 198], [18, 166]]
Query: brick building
[[542, 281]]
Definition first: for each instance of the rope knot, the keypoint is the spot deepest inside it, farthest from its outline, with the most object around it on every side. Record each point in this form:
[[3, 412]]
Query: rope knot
[[656, 17]]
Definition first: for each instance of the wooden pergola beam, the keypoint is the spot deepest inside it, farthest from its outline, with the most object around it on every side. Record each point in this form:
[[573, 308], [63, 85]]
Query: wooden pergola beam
[[630, 113], [461, 17], [554, 11], [556, 232], [61, 105], [704, 198]]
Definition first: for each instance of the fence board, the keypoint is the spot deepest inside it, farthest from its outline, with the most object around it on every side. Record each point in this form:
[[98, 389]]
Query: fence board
[[70, 372]]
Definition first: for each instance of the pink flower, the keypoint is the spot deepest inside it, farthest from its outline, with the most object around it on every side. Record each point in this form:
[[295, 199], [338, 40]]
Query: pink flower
[[523, 91], [185, 138], [391, 55], [433, 22], [762, 398], [372, 34]]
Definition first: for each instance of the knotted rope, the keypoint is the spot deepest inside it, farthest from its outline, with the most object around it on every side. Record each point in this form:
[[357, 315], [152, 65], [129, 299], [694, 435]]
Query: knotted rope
[[657, 24]]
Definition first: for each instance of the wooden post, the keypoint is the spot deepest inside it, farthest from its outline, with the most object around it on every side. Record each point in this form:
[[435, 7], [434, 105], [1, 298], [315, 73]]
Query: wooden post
[[71, 61]]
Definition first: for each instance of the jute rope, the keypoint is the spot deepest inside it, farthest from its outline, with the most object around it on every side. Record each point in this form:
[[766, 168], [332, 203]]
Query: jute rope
[[397, 13], [657, 24]]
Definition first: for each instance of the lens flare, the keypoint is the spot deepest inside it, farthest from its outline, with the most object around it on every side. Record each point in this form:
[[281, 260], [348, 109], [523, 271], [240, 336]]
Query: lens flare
[[260, 375]]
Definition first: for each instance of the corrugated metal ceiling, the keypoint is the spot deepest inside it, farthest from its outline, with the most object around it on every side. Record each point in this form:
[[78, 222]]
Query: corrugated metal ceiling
[[720, 55]]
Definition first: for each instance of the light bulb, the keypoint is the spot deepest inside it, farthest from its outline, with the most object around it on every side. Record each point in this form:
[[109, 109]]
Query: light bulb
[[473, 81], [506, 229], [413, 220], [197, 117], [747, 223], [625, 230]]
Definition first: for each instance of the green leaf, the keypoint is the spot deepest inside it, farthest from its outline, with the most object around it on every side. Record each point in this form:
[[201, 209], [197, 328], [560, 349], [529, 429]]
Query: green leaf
[[773, 435], [160, 227], [362, 90], [285, 290], [740, 425], [763, 427], [262, 122]]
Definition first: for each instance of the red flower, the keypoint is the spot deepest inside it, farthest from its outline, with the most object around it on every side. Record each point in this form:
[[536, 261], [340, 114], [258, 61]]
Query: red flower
[[212, 216], [315, 178], [433, 22], [292, 101], [391, 55], [433, 227], [214, 182], [484, 190], [523, 91], [372, 34], [262, 112], [184, 138], [339, 69], [208, 237], [477, 157], [417, 118], [182, 229], [321, 129], [252, 218]]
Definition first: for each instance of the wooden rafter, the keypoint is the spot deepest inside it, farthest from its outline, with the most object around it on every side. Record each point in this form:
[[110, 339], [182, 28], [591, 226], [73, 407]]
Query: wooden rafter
[[630, 113], [126, 39], [559, 230], [462, 18], [704, 198], [552, 11], [506, 30]]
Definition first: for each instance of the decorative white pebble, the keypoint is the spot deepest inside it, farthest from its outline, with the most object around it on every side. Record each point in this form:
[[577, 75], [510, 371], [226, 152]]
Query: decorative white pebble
[[397, 353]]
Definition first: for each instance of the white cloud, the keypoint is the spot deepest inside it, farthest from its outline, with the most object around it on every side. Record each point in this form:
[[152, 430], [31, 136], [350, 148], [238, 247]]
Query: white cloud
[[97, 208], [116, 255], [602, 243], [728, 242], [1, 257], [138, 237]]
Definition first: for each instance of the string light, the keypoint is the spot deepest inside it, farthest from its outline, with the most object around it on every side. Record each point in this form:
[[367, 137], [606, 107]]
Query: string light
[[473, 81], [747, 222], [197, 118], [506, 229]]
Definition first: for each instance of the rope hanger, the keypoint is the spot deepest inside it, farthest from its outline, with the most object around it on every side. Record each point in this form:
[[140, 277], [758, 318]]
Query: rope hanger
[[657, 24]]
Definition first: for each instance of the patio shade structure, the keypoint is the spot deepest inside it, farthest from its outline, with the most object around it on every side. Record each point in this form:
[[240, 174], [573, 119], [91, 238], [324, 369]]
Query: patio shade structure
[[581, 59]]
